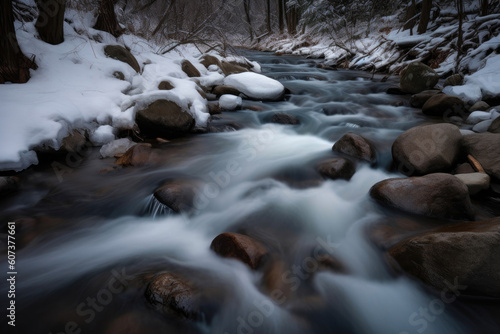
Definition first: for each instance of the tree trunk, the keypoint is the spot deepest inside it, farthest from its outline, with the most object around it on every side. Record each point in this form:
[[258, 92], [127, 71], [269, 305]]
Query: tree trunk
[[281, 19], [410, 19], [484, 7], [246, 7], [291, 19], [424, 16], [268, 16], [14, 65], [106, 21], [50, 20], [460, 41]]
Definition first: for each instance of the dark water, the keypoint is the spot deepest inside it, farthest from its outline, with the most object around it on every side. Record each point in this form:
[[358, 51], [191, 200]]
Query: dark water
[[92, 239]]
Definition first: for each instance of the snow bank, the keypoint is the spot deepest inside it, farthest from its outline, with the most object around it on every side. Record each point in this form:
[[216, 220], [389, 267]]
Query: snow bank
[[468, 93], [487, 78], [256, 86]]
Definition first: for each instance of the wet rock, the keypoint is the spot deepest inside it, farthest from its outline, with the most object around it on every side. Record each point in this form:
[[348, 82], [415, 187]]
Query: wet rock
[[213, 108], [137, 155], [189, 69], [454, 80], [281, 118], [460, 257], [8, 184], [486, 149], [74, 142], [118, 52], [241, 247], [164, 119], [356, 146], [395, 91], [427, 149], [165, 85], [178, 195], [495, 126], [479, 106], [442, 105], [418, 77], [119, 75], [174, 295], [276, 287], [475, 182], [223, 90], [336, 169], [418, 100], [434, 195]]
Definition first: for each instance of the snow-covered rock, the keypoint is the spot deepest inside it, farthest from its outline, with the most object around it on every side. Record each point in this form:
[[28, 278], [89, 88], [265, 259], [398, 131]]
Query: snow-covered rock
[[478, 116], [102, 135], [230, 102], [116, 147], [256, 86], [487, 78], [468, 93]]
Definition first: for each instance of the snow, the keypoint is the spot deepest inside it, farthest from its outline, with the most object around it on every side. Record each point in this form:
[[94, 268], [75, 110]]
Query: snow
[[230, 102], [468, 93], [487, 78], [116, 147], [256, 86], [102, 135], [478, 116]]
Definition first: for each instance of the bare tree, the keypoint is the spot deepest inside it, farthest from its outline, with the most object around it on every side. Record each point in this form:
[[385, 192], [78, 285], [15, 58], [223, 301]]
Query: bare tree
[[106, 21], [484, 7], [281, 18], [51, 20], [268, 16], [246, 7], [14, 65], [291, 18], [424, 16]]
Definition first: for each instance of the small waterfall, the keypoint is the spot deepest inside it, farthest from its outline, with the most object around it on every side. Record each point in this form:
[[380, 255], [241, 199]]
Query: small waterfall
[[154, 208]]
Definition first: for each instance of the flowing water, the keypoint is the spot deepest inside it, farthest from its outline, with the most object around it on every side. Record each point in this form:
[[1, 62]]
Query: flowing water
[[83, 230]]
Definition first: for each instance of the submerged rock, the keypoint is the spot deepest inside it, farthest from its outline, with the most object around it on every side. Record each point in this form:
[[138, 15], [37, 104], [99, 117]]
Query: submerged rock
[[418, 77], [241, 247], [281, 118], [336, 169], [356, 146], [435, 195], [118, 52]]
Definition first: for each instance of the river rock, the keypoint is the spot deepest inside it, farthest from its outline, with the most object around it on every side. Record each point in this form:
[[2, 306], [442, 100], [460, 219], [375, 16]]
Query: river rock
[[119, 146], [485, 147], [338, 168], [442, 105], [460, 257], [178, 195], [174, 295], [118, 52], [189, 69], [137, 155], [482, 126], [475, 182], [427, 149], [208, 60], [230, 68], [479, 106], [418, 77], [465, 168], [74, 142], [454, 80], [164, 119], [495, 126], [478, 116], [225, 90], [418, 100], [256, 86], [356, 146], [241, 247], [230, 102], [165, 85], [287, 119], [434, 195]]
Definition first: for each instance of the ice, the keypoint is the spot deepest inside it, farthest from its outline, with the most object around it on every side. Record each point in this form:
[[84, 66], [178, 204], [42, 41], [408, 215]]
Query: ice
[[256, 86], [102, 135], [116, 147], [468, 93], [230, 102]]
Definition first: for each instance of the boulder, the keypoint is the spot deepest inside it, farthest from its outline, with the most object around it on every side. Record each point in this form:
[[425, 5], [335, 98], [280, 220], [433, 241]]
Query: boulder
[[478, 116], [427, 149], [442, 105], [189, 69], [418, 100], [465, 168], [338, 168], [482, 126], [118, 52], [178, 195], [230, 68], [225, 90], [461, 258], [230, 102], [137, 155], [164, 119], [174, 295], [495, 126], [454, 80], [475, 182], [356, 146], [165, 85], [479, 106], [282, 118], [74, 142], [241, 247], [208, 60], [485, 147], [418, 77], [434, 195], [256, 86]]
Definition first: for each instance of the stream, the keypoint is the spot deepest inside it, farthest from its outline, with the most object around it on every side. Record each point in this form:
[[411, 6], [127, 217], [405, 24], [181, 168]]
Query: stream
[[90, 241]]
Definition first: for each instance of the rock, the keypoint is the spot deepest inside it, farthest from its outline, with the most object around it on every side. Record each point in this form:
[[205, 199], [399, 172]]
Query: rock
[[434, 195], [256, 86], [281, 118], [174, 295], [164, 119], [464, 168], [395, 91], [276, 287], [118, 52], [230, 102], [454, 80], [119, 75], [427, 149], [356, 146], [178, 195], [495, 126], [225, 90], [470, 94], [8, 184], [338, 168], [207, 60], [75, 142], [418, 77], [119, 146], [189, 69], [478, 116], [442, 105], [482, 126], [418, 100], [230, 68], [475, 182], [463, 255], [486, 149], [241, 247], [479, 106], [165, 85], [103, 135], [137, 155], [213, 108]]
